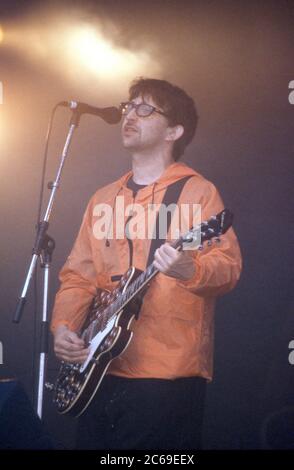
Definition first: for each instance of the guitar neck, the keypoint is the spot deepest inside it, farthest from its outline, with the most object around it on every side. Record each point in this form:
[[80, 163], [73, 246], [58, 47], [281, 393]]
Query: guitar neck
[[137, 285], [134, 289]]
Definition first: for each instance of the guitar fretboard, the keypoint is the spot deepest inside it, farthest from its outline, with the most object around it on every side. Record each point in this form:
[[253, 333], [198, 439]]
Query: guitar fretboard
[[134, 288]]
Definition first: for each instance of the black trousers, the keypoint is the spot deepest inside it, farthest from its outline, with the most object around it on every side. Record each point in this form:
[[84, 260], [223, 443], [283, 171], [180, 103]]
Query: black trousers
[[144, 414]]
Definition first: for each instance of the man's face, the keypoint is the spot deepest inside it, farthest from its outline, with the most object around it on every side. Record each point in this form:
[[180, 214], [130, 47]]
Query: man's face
[[144, 133]]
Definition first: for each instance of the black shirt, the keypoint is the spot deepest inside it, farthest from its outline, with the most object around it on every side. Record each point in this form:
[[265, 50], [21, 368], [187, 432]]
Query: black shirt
[[134, 186]]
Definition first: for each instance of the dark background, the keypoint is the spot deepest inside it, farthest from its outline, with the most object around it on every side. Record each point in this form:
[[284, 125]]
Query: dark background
[[236, 60]]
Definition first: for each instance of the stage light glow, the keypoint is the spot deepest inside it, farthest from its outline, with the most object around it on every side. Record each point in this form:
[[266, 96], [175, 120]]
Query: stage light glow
[[79, 51], [87, 47], [1, 34]]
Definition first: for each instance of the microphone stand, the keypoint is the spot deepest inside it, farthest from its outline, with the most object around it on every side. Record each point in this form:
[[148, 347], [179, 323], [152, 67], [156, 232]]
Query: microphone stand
[[43, 248]]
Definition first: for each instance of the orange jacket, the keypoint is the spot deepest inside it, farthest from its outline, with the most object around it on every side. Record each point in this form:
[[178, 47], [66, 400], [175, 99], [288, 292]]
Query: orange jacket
[[173, 336]]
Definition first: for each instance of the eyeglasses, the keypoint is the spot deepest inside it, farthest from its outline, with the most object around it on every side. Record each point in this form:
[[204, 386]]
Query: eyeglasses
[[141, 109]]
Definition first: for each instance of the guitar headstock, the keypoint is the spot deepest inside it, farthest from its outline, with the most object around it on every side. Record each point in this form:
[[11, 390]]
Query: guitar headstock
[[214, 227]]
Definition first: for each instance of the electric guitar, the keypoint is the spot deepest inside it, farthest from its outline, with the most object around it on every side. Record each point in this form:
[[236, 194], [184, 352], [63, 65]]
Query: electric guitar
[[106, 330]]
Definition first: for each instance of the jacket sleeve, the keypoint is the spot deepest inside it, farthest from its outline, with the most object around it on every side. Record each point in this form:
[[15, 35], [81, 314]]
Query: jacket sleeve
[[218, 267], [79, 281]]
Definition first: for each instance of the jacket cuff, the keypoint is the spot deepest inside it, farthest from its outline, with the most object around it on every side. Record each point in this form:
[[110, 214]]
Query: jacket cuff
[[193, 281], [54, 325]]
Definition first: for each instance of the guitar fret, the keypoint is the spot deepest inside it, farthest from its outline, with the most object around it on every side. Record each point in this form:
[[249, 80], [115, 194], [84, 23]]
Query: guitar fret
[[133, 288]]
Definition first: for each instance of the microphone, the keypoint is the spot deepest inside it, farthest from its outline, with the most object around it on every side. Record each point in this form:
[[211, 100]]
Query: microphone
[[111, 115]]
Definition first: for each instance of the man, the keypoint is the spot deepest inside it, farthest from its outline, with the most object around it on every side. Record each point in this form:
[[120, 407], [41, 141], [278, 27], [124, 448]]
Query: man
[[153, 394]]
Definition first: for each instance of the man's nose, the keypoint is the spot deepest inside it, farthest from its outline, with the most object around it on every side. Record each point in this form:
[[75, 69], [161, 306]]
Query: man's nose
[[132, 115]]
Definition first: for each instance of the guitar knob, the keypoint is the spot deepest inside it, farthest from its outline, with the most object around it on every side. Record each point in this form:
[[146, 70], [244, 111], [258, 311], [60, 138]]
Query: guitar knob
[[49, 386]]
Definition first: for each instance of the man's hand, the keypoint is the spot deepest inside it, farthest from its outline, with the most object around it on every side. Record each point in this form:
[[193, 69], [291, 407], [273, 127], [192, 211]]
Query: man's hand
[[174, 263], [68, 346]]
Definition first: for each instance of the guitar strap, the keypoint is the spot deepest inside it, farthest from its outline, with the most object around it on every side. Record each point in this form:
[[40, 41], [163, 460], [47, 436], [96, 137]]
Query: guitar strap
[[171, 196]]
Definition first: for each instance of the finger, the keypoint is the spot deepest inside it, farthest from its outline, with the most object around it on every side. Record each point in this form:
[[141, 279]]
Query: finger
[[73, 338], [160, 262], [73, 355], [158, 266], [169, 253], [67, 346], [162, 267], [169, 258], [169, 249], [70, 349], [70, 359], [74, 346]]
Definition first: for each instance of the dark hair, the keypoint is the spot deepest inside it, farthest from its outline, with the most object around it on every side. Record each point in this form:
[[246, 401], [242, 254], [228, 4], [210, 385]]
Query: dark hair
[[179, 107]]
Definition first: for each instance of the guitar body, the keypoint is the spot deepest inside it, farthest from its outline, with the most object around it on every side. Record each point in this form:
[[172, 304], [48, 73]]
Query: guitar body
[[77, 384], [107, 327]]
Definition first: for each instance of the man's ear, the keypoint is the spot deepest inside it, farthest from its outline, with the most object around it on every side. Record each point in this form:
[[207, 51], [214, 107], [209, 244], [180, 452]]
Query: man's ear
[[175, 132]]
